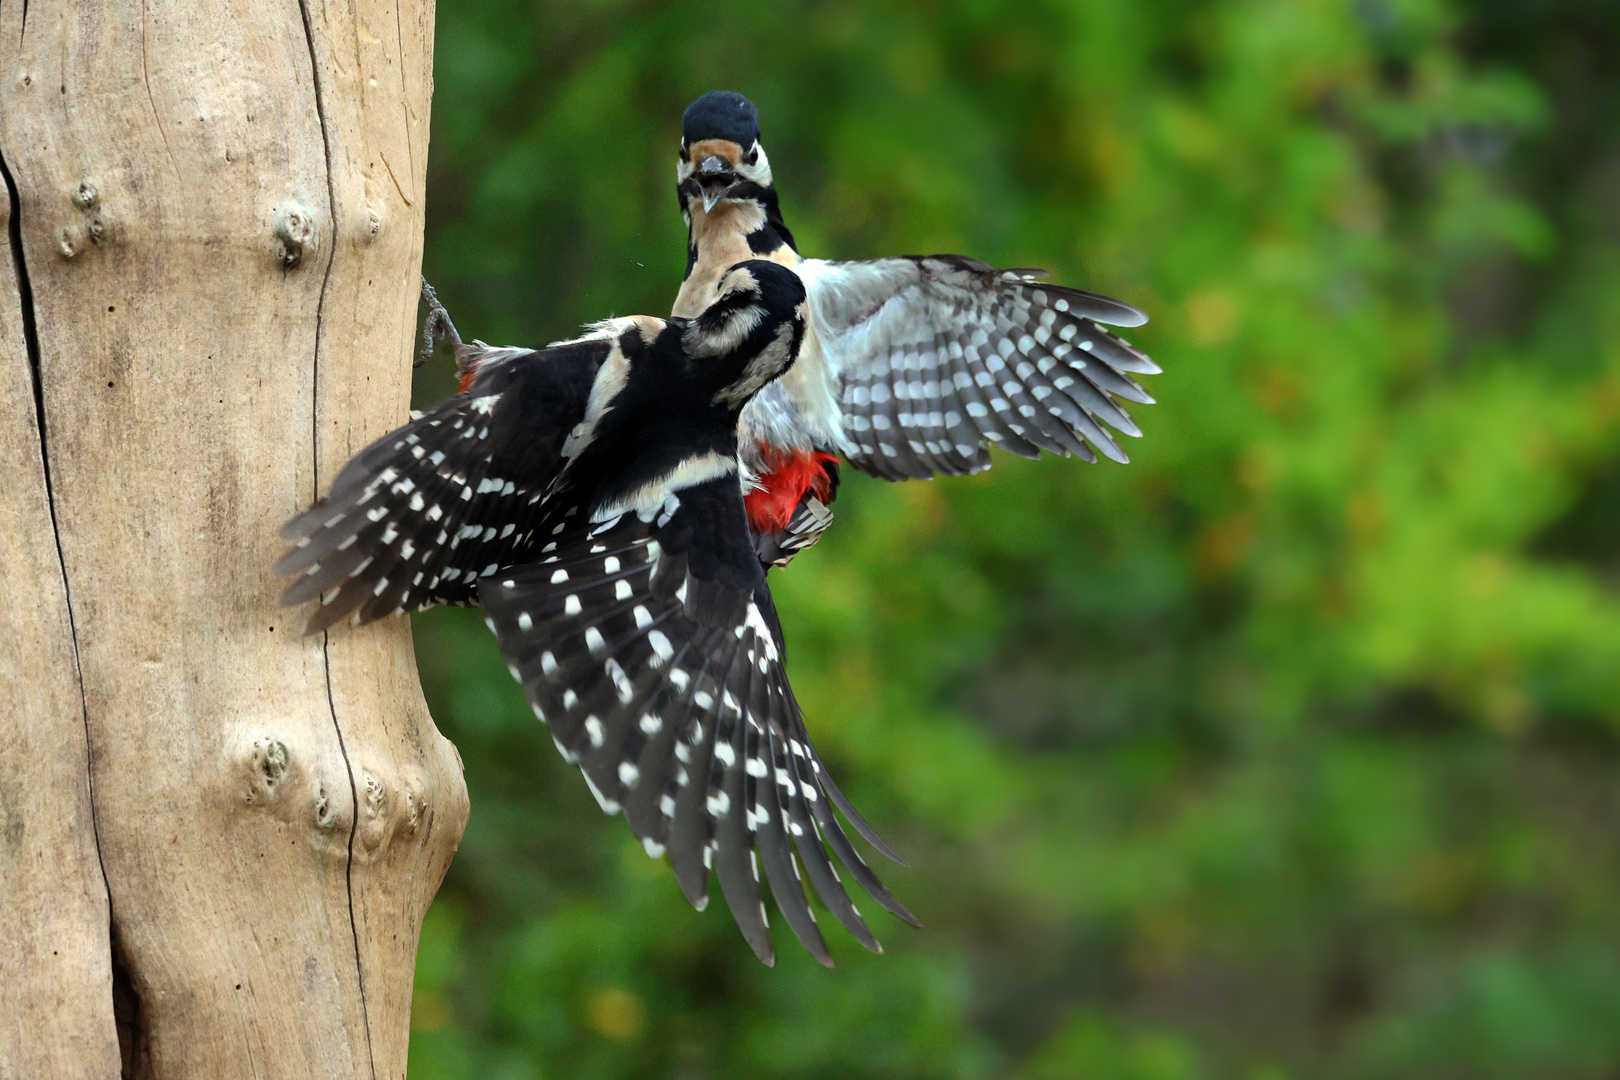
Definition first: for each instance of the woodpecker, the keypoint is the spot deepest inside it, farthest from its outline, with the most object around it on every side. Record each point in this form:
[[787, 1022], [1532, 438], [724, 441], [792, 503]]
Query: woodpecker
[[911, 365], [587, 497]]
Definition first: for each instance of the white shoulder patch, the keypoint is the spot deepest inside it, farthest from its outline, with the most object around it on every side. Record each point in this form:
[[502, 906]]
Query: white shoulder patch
[[652, 499], [610, 381]]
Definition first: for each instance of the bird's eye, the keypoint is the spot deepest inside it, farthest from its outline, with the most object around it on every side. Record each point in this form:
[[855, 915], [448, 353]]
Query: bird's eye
[[685, 156], [753, 155]]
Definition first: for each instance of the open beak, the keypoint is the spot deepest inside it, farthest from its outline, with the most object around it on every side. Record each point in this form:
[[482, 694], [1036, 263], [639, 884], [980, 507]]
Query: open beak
[[716, 180]]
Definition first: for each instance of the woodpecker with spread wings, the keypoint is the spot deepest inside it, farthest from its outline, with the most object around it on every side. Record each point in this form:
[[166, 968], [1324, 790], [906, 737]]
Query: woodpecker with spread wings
[[911, 366], [587, 497]]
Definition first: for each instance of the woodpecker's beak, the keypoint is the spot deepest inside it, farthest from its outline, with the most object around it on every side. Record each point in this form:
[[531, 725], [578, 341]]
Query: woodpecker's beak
[[716, 179]]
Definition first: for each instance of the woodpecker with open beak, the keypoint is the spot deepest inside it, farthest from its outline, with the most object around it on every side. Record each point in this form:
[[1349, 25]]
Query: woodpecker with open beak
[[587, 497], [912, 366]]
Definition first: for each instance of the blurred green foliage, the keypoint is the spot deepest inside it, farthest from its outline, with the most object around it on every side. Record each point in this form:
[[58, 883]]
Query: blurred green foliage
[[1291, 749]]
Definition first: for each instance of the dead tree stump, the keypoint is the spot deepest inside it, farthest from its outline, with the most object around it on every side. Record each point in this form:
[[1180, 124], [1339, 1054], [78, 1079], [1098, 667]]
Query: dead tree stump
[[217, 838]]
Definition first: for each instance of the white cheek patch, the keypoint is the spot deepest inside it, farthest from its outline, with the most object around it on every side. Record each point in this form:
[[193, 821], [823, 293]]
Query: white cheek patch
[[760, 171], [762, 368], [705, 338]]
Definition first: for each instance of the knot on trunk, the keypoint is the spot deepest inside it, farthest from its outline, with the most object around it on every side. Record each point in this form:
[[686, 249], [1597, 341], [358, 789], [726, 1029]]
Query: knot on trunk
[[390, 809], [297, 237], [266, 763]]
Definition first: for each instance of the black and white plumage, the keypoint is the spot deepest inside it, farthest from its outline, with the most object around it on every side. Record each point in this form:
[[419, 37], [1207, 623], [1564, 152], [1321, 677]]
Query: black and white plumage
[[422, 514], [810, 518], [652, 649], [913, 365], [588, 497], [933, 358]]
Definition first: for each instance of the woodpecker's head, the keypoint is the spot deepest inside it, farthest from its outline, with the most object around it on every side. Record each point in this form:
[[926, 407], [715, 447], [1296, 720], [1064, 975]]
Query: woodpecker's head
[[721, 157], [773, 290], [757, 322]]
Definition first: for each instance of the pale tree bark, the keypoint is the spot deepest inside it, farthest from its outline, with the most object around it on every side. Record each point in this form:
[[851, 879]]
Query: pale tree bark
[[214, 210]]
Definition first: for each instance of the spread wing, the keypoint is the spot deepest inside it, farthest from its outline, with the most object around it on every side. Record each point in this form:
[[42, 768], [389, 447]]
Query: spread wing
[[418, 516], [651, 648], [932, 357]]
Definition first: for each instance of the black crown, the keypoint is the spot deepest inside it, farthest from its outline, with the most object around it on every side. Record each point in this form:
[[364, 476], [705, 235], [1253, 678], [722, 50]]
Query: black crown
[[721, 114]]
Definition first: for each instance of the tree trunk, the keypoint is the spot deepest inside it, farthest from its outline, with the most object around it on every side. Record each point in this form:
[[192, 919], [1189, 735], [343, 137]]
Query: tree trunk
[[217, 837]]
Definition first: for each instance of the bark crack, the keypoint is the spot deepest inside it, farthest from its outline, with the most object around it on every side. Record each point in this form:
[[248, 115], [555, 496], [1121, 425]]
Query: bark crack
[[406, 198], [25, 299], [157, 117], [405, 103], [315, 423], [30, 327]]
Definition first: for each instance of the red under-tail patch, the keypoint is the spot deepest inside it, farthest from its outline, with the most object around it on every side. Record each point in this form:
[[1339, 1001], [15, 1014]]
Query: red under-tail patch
[[782, 486]]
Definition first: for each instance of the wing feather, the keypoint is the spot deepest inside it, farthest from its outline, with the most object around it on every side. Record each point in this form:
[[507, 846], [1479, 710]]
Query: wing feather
[[776, 852], [813, 855], [933, 357], [417, 517], [967, 453], [735, 861], [981, 425], [664, 682], [691, 831]]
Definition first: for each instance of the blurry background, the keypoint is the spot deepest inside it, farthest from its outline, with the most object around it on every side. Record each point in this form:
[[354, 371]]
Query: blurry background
[[1291, 749]]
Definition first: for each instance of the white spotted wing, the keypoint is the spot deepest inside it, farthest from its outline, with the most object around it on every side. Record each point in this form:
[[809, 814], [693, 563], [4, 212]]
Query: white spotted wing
[[932, 358], [417, 517], [652, 650]]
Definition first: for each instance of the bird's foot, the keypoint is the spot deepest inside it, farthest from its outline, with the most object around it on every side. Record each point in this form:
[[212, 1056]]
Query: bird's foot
[[436, 327]]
